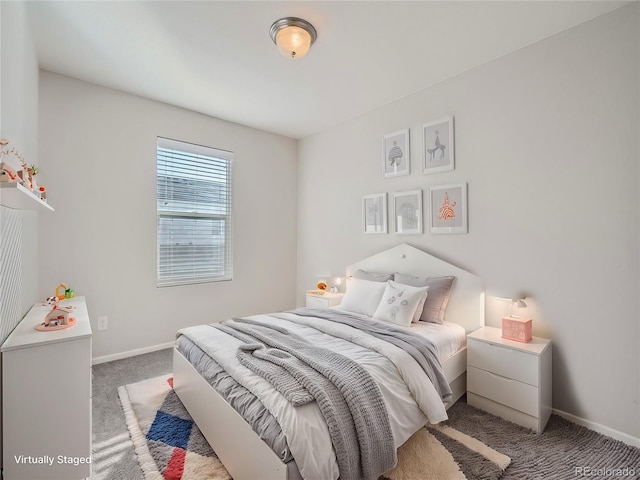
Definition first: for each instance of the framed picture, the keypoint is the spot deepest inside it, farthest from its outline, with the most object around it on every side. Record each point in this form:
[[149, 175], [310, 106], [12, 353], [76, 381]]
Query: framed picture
[[448, 208], [374, 213], [437, 141], [396, 158], [407, 212]]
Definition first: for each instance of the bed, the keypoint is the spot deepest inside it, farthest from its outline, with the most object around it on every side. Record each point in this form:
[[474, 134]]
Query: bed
[[243, 452]]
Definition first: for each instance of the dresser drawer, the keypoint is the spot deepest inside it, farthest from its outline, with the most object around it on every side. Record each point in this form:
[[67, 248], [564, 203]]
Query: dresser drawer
[[512, 393], [503, 361]]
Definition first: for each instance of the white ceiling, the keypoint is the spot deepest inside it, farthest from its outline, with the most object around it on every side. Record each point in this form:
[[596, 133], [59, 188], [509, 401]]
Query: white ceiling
[[216, 57]]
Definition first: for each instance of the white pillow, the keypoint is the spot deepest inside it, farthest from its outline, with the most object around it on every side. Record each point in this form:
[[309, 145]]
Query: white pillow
[[420, 307], [362, 296], [399, 303]]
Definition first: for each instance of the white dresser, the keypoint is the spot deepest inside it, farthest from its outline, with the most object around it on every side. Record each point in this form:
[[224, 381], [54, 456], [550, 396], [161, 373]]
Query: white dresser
[[325, 300], [510, 379], [46, 383]]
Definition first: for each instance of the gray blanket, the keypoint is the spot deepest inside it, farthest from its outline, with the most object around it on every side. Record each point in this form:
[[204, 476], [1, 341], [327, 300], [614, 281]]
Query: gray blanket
[[263, 423], [347, 395], [420, 348]]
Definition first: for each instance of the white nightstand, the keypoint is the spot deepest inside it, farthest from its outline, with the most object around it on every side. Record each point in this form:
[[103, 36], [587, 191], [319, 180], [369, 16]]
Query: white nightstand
[[324, 301], [510, 379]]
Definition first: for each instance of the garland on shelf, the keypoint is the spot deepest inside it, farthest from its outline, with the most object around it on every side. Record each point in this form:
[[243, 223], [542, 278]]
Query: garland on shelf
[[25, 176]]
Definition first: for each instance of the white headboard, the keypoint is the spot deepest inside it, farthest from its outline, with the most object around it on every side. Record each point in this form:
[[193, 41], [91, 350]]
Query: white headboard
[[466, 304]]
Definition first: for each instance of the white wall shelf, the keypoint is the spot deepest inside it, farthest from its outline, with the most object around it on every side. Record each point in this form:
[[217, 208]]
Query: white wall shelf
[[14, 195]]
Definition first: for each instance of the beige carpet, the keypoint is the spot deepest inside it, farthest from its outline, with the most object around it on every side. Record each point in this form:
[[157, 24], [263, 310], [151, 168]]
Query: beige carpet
[[441, 452], [169, 445]]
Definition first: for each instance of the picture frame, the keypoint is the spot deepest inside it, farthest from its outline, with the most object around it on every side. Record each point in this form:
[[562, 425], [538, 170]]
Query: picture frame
[[374, 213], [448, 208], [407, 212], [396, 158], [438, 146]]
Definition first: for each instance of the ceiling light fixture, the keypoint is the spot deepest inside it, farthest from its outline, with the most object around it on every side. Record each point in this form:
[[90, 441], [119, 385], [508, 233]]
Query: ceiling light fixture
[[293, 36]]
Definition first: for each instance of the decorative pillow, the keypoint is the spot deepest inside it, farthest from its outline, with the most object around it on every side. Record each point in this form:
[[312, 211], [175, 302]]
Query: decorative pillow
[[438, 298], [419, 308], [362, 296], [399, 303], [373, 277]]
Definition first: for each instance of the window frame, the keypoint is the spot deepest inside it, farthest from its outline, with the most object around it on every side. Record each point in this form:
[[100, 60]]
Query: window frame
[[195, 151]]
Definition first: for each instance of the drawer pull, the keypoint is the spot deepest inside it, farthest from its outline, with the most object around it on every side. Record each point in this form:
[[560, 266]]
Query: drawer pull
[[500, 377], [502, 347], [505, 361]]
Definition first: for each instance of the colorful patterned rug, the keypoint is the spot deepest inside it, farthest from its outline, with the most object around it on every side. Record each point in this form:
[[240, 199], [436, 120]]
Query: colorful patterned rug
[[167, 442], [170, 446]]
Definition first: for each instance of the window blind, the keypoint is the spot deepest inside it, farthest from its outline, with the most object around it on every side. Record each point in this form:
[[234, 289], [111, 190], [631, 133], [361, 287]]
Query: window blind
[[194, 213]]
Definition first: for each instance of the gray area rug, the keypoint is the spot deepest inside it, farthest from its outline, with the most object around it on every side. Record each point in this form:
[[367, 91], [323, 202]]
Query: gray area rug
[[563, 451], [555, 454]]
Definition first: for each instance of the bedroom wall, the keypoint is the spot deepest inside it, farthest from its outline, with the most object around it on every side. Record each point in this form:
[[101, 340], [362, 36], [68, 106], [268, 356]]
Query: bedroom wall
[[548, 140], [99, 146], [18, 124]]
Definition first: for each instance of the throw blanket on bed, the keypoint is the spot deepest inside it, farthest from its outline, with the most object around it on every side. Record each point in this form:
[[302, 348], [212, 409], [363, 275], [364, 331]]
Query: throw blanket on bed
[[347, 395], [420, 348]]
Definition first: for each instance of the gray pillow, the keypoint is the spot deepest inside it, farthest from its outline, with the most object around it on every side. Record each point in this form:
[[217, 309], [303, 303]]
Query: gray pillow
[[439, 293], [374, 277]]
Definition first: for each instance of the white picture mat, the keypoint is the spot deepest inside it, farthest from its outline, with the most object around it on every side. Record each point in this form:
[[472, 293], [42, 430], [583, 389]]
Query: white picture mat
[[407, 212], [448, 208], [396, 159], [438, 146], [374, 213]]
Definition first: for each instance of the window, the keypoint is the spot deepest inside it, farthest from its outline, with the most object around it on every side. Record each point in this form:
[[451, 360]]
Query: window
[[194, 191]]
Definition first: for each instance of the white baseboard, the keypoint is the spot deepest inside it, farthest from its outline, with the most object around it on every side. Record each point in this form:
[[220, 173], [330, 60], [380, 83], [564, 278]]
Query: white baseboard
[[608, 431], [131, 353]]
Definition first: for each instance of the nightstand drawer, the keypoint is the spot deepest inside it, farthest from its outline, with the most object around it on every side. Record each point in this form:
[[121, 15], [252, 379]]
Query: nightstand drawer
[[505, 412], [503, 361], [317, 302], [324, 301], [517, 395]]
